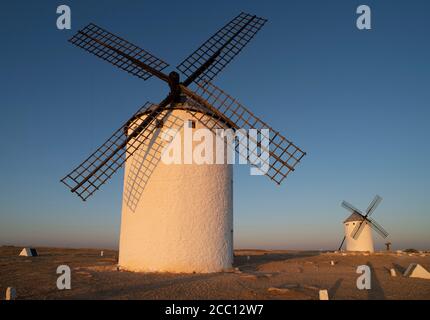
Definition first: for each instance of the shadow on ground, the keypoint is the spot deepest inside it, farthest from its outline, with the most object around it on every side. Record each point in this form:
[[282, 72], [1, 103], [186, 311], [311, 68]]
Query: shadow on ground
[[251, 262]]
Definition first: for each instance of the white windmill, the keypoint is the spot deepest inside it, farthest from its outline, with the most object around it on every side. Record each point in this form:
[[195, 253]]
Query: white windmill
[[176, 218], [358, 227]]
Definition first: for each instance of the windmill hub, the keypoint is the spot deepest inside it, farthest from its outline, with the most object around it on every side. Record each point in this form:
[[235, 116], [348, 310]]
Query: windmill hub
[[175, 89], [175, 76]]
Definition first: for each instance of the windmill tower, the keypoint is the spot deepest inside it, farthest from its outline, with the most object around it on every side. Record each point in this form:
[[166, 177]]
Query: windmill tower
[[358, 228], [177, 218], [188, 227], [365, 241]]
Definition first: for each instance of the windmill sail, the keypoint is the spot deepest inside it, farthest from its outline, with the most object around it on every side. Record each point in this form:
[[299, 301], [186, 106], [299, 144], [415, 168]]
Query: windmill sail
[[378, 228], [99, 167], [359, 227], [376, 201], [351, 208], [117, 51], [366, 220], [285, 154], [356, 232], [213, 56]]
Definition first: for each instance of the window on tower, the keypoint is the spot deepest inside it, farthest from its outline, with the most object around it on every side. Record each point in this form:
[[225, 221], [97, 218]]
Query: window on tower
[[191, 124]]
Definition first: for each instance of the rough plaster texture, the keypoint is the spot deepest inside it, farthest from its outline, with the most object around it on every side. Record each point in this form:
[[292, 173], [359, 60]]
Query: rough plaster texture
[[182, 220], [364, 241]]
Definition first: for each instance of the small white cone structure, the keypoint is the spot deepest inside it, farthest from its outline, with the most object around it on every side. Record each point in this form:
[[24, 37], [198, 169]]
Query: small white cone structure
[[365, 241], [28, 252], [416, 271], [176, 217]]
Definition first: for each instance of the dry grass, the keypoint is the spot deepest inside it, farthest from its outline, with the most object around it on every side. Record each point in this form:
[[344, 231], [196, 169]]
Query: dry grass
[[264, 275]]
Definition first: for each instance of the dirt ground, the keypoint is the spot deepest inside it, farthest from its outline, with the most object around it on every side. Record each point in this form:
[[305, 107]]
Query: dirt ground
[[257, 275]]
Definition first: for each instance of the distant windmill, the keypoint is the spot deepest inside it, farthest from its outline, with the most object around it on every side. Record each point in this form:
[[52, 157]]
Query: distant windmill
[[185, 221], [358, 233]]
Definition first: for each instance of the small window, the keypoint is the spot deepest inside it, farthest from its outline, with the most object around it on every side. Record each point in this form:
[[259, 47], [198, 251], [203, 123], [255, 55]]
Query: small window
[[191, 124], [353, 223]]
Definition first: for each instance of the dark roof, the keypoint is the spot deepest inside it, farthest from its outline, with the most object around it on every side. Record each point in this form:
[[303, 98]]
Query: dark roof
[[354, 217], [186, 104]]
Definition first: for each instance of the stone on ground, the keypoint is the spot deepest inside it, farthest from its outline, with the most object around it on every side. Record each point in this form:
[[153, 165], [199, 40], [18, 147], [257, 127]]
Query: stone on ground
[[278, 290], [323, 295], [10, 293]]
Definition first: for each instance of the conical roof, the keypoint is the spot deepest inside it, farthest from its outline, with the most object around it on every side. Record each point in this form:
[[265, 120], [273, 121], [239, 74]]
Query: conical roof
[[354, 217]]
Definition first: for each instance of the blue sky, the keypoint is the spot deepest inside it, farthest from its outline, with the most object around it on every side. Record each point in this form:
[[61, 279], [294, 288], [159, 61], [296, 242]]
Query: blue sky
[[356, 101]]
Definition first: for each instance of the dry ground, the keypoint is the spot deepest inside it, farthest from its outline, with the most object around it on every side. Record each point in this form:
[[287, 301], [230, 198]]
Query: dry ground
[[300, 273]]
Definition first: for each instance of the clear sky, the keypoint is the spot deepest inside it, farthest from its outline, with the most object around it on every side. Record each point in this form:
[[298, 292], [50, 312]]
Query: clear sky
[[356, 101]]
